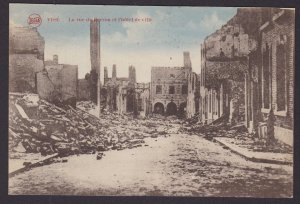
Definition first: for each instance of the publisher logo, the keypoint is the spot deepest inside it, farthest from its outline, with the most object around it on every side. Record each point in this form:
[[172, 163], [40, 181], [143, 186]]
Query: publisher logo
[[34, 20]]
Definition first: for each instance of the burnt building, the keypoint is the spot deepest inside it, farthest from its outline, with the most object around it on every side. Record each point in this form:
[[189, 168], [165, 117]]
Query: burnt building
[[169, 88], [26, 58]]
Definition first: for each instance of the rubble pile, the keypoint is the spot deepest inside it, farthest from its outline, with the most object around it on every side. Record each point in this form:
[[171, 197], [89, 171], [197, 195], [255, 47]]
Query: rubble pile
[[237, 135], [256, 144], [190, 126], [41, 127]]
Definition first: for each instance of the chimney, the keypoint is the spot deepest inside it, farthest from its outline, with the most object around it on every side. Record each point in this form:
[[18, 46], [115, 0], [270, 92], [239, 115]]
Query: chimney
[[130, 73], [105, 75], [95, 46], [95, 59], [131, 76], [55, 59], [186, 60], [114, 72]]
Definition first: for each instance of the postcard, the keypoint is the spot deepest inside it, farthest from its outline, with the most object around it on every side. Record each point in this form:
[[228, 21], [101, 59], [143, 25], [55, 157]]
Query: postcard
[[109, 100]]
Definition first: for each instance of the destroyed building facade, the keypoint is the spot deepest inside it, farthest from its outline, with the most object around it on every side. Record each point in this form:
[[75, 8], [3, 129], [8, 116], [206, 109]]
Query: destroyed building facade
[[247, 72], [169, 88], [276, 74], [26, 58]]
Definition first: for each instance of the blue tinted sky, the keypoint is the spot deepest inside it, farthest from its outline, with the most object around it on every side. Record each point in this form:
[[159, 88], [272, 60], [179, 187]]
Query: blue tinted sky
[[160, 42]]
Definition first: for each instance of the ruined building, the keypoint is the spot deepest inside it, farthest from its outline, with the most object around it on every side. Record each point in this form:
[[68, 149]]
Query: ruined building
[[247, 71], [120, 91], [169, 88], [142, 93], [58, 82], [192, 107], [26, 58], [28, 72]]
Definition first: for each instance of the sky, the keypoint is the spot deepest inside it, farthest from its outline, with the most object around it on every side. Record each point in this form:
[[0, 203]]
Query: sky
[[159, 38]]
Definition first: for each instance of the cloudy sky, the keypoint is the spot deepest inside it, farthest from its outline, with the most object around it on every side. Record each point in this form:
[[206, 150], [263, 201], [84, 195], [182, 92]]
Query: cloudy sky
[[160, 42]]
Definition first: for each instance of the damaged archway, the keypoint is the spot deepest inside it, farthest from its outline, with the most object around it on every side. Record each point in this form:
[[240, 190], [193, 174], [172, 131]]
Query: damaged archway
[[159, 108], [171, 108]]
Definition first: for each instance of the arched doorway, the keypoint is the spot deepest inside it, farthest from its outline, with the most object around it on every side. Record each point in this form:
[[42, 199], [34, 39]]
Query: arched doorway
[[159, 108], [171, 108], [182, 110]]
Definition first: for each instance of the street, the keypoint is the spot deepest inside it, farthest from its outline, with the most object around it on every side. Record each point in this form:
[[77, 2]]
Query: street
[[171, 165]]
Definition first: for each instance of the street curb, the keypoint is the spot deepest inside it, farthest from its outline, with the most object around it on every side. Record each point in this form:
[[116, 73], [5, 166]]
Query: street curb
[[36, 164], [247, 155]]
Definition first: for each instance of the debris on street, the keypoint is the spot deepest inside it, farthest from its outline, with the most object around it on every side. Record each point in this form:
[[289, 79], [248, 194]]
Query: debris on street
[[237, 135], [37, 126]]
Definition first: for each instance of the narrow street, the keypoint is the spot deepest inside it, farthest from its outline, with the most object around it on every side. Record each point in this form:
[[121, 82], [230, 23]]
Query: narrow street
[[174, 165]]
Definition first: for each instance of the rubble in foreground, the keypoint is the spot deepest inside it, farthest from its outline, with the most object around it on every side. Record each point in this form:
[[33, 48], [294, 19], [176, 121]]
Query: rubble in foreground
[[36, 126]]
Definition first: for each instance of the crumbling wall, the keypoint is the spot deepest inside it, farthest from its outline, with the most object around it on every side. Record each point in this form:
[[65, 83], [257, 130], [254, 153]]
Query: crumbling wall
[[45, 87], [22, 70], [54, 74], [142, 92], [83, 92], [69, 75], [59, 84], [25, 40], [26, 55]]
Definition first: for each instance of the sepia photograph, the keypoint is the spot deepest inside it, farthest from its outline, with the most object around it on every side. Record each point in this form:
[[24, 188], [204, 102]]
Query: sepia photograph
[[180, 101]]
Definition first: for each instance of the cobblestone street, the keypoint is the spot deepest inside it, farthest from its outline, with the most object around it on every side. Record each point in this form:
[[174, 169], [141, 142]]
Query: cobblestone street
[[175, 165]]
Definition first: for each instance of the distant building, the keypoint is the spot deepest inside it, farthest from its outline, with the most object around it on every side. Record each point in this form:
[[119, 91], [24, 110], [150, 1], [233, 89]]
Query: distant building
[[169, 88]]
